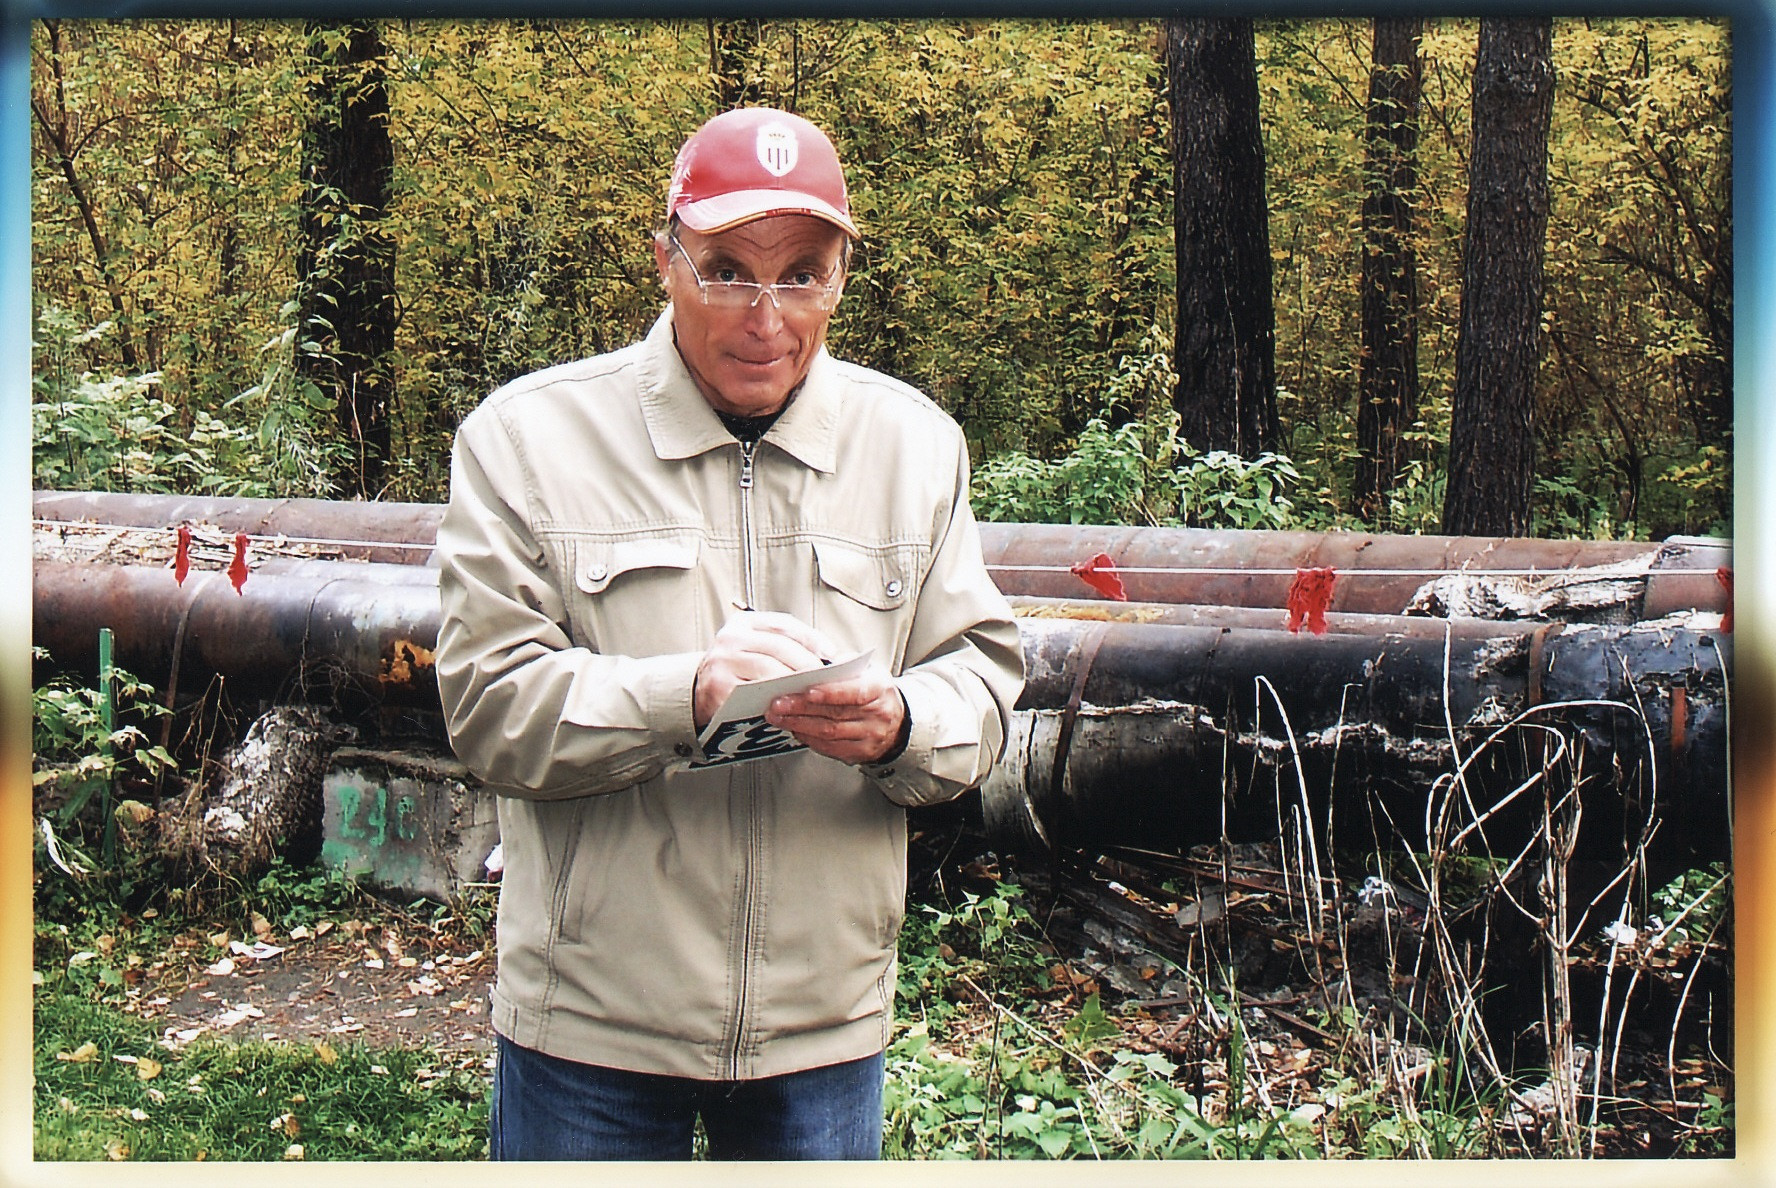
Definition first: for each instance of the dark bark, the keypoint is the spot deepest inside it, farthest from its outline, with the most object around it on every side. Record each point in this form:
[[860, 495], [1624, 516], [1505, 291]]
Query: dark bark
[[733, 55], [1387, 369], [346, 269], [1226, 351], [1491, 439]]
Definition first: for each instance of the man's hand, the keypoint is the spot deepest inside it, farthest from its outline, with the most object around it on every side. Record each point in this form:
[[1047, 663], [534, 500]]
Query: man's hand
[[854, 721], [752, 646]]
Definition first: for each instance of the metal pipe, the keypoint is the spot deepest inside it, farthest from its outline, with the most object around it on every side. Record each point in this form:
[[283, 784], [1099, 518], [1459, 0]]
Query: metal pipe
[[1167, 736], [384, 532], [351, 634], [1379, 573], [1167, 733], [1184, 614]]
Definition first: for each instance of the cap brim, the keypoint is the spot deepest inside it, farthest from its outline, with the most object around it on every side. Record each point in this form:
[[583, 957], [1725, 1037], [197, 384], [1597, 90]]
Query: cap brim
[[727, 211]]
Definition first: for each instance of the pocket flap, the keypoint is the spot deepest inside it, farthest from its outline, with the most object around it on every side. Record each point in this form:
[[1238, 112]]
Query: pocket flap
[[602, 562], [875, 579]]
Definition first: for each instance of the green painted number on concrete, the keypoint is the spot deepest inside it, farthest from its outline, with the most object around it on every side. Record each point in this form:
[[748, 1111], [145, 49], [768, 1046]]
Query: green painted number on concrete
[[373, 830], [349, 799], [377, 819]]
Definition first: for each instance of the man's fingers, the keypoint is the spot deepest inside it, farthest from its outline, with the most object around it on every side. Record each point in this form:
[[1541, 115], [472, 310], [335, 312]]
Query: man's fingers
[[753, 646], [764, 630]]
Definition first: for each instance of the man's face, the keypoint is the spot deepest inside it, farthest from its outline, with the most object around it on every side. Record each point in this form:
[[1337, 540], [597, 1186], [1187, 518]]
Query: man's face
[[748, 360]]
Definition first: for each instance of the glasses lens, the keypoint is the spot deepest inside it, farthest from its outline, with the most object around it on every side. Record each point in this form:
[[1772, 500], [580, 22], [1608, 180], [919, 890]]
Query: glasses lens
[[730, 294], [819, 296], [738, 294]]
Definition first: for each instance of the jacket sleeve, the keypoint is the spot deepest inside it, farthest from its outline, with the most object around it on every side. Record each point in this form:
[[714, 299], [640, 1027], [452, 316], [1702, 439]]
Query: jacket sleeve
[[964, 667], [528, 712]]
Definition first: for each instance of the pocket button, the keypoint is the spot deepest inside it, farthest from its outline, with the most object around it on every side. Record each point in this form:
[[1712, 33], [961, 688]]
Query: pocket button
[[893, 587]]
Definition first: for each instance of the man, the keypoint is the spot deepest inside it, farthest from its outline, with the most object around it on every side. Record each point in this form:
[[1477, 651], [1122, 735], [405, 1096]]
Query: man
[[630, 538]]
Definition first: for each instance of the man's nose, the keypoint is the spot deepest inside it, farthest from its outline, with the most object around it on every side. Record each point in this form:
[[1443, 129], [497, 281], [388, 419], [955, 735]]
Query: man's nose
[[765, 314]]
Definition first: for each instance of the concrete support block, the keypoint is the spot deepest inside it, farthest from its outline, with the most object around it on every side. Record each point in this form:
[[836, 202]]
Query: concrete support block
[[410, 821]]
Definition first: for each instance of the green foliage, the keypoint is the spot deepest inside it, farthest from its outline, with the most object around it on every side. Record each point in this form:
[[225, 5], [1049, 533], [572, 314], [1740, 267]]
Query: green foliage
[[1699, 488], [1034, 1087], [1102, 481], [1223, 490], [1638, 263], [246, 1101], [109, 434], [1711, 1135], [1119, 476], [1014, 182], [1139, 471], [1691, 904], [121, 433], [75, 755]]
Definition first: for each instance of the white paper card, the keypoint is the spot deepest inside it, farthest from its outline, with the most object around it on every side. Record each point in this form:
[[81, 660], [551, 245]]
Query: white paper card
[[739, 732]]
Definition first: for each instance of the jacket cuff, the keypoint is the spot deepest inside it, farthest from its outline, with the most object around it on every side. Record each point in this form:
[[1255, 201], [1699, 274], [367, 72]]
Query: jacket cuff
[[667, 703], [904, 775]]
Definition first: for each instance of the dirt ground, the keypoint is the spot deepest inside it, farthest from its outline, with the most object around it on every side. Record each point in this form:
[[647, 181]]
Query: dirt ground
[[349, 981]]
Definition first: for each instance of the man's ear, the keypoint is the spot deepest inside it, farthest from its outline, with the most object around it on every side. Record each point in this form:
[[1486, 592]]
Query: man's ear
[[662, 257]]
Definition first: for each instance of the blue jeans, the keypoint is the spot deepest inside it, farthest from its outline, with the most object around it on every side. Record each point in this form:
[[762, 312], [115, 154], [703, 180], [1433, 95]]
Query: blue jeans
[[545, 1107]]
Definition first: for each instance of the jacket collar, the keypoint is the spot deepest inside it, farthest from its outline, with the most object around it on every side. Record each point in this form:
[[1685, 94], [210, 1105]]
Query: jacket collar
[[681, 424]]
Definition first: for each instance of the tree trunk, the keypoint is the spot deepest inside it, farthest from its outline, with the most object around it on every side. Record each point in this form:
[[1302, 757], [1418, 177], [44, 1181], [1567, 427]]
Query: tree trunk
[[1387, 369], [346, 270], [1226, 351], [733, 63], [1491, 438]]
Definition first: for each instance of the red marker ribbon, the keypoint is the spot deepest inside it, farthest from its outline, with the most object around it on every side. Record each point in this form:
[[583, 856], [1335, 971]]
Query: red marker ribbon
[[1309, 596], [1100, 574]]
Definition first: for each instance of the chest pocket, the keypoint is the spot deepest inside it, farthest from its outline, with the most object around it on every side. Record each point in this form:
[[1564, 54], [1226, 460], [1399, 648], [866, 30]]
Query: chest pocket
[[864, 597], [637, 597]]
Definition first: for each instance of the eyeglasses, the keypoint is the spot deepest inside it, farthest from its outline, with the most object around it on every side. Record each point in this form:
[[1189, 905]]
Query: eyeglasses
[[812, 294]]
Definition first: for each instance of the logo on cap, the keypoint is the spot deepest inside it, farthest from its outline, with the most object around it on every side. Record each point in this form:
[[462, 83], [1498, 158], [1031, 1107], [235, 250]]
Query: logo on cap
[[776, 149]]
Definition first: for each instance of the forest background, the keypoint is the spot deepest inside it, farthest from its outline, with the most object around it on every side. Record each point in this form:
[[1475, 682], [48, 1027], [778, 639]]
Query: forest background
[[1014, 181]]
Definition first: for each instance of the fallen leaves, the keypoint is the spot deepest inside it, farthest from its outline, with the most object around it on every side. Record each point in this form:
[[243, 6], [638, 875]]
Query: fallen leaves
[[259, 951], [81, 1055], [232, 1015]]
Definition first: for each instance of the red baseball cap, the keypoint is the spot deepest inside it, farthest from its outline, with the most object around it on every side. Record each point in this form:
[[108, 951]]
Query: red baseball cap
[[755, 162]]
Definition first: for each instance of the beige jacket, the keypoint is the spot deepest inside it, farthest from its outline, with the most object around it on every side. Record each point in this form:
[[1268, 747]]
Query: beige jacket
[[730, 922]]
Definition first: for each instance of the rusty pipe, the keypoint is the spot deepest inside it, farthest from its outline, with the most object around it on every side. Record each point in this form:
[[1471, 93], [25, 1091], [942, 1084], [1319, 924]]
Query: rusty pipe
[[1185, 614], [1125, 729], [302, 630], [1170, 735], [1379, 572], [393, 533]]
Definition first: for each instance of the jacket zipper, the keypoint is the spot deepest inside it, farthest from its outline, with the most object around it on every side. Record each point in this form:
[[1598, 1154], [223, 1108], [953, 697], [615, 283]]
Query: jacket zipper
[[748, 593], [749, 921], [754, 827]]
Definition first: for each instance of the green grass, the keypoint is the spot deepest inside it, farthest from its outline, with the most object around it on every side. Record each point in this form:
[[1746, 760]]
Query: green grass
[[248, 1101]]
